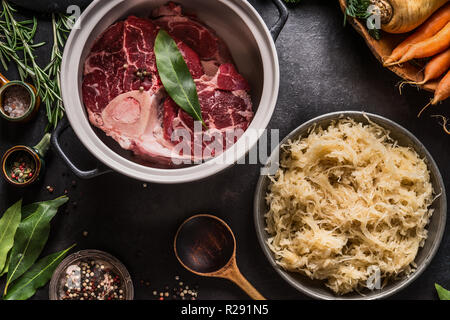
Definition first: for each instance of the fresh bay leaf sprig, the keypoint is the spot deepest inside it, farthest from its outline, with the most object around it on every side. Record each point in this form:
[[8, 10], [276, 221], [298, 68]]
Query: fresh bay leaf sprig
[[29, 227], [36, 277], [175, 75], [30, 239]]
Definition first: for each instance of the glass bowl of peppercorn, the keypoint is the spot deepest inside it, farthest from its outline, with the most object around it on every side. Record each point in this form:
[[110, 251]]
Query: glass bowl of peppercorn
[[91, 275], [23, 165]]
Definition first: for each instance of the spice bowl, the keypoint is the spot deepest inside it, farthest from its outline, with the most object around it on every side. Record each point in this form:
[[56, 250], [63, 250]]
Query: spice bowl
[[91, 275], [22, 165], [19, 101]]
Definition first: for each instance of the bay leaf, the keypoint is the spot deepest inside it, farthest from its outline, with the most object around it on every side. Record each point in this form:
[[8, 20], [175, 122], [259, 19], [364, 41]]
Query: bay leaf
[[5, 269], [175, 75], [443, 293], [8, 227], [36, 277], [30, 238], [29, 209]]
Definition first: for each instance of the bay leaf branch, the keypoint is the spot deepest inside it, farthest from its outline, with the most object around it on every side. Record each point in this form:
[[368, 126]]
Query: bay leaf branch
[[31, 236], [36, 277]]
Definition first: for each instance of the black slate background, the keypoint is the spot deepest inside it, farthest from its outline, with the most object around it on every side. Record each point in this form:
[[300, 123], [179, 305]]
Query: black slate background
[[324, 67]]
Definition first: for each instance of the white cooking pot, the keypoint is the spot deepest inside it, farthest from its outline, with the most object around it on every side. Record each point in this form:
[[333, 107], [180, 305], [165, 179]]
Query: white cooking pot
[[253, 49]]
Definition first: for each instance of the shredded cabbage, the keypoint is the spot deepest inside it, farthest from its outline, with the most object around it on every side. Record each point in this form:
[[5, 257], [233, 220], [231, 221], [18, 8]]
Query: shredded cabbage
[[345, 199]]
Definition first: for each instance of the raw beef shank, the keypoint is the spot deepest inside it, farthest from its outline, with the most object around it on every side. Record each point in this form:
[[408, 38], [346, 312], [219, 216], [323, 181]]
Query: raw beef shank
[[137, 112]]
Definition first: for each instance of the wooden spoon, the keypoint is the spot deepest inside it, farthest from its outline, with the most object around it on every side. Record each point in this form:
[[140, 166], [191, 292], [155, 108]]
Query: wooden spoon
[[206, 246]]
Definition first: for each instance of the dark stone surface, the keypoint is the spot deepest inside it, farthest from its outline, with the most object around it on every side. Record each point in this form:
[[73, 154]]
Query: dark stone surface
[[51, 5], [324, 67]]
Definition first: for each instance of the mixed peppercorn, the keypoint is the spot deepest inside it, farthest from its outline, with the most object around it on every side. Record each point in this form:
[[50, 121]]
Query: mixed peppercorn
[[23, 168], [181, 291], [92, 280]]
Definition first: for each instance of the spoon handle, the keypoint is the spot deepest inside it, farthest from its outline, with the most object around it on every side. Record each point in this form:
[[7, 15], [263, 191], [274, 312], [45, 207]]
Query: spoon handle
[[236, 276]]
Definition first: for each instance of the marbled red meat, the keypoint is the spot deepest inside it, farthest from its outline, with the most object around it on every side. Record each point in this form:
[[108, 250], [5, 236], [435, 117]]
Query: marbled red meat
[[144, 121], [203, 40], [226, 108]]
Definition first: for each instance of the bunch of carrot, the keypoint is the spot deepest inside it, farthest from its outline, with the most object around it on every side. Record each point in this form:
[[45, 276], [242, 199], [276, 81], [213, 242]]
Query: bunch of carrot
[[431, 40]]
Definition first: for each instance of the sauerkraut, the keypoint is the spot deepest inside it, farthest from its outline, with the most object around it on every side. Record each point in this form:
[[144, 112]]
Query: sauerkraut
[[347, 200]]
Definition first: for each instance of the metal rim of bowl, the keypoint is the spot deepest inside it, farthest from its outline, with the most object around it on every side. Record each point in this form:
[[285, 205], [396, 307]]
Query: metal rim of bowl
[[84, 131], [259, 211], [91, 254]]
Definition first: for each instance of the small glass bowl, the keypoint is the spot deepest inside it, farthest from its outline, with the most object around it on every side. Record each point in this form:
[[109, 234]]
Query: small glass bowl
[[35, 154], [34, 102], [58, 279], [8, 159]]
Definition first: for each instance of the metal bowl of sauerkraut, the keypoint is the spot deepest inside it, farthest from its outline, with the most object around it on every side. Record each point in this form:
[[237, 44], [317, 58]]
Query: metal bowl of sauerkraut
[[351, 206]]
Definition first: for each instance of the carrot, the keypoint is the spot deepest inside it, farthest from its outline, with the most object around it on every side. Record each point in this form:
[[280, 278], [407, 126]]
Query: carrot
[[444, 123], [435, 68], [441, 93], [443, 90], [428, 48], [432, 26]]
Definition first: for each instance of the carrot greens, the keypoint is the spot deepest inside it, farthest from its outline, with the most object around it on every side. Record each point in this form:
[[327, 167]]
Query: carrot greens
[[359, 9]]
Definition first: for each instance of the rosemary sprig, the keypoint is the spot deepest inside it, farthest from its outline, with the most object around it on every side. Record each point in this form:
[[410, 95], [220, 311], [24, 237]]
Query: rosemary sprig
[[358, 9], [17, 45], [61, 29], [9, 47]]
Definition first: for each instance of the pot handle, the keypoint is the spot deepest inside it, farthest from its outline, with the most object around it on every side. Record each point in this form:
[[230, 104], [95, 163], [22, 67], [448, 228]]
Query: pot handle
[[284, 14], [62, 126]]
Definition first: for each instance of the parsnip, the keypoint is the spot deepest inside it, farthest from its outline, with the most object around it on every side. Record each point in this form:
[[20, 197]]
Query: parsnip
[[401, 16], [433, 25]]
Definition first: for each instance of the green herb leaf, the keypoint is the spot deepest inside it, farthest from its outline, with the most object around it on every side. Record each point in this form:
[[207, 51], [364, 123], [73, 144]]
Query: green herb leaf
[[5, 269], [175, 75], [443, 294], [8, 226], [29, 209], [30, 239], [36, 277]]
